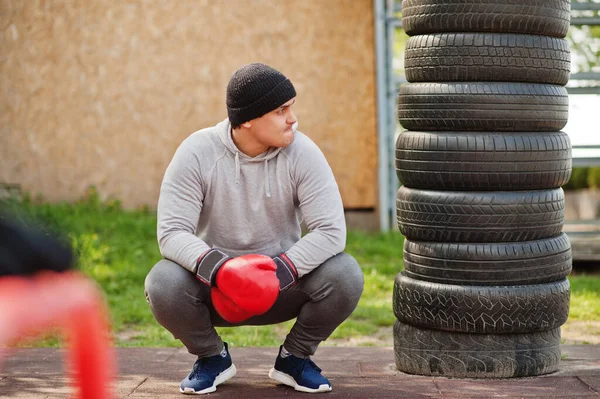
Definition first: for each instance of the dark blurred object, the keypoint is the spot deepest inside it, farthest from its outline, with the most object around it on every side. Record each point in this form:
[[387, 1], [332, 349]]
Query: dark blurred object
[[25, 250]]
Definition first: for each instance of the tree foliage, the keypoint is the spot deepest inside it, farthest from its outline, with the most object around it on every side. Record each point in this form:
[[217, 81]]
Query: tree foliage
[[585, 42]]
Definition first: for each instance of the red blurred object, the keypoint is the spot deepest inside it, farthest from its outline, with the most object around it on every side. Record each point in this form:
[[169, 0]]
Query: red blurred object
[[70, 301]]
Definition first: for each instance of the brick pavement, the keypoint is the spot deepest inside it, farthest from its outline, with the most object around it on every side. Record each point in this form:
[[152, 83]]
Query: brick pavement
[[355, 372]]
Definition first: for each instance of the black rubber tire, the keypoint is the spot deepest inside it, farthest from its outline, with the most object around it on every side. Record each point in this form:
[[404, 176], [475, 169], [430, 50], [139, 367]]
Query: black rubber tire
[[447, 354], [534, 17], [481, 309], [492, 216], [483, 160], [484, 106], [505, 57], [520, 263]]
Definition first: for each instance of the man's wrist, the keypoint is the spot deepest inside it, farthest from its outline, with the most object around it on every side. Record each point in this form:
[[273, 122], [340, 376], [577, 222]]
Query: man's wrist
[[208, 265], [286, 271]]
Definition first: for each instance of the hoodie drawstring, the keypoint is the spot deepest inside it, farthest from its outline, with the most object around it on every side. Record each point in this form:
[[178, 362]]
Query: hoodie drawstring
[[237, 167], [237, 174], [267, 184]]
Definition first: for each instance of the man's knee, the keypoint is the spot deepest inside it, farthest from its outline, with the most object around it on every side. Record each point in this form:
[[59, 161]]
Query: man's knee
[[346, 276], [166, 282]]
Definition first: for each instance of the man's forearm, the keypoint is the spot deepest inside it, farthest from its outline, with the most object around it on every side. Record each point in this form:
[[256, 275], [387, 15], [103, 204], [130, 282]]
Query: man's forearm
[[315, 248], [182, 248]]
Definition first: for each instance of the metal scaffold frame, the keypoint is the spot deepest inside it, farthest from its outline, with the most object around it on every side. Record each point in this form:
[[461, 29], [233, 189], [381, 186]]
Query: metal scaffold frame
[[386, 24]]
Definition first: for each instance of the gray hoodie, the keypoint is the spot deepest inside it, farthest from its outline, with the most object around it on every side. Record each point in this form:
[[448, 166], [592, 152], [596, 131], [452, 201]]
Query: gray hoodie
[[214, 196]]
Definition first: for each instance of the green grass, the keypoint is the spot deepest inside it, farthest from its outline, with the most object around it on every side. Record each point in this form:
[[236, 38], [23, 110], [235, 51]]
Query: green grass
[[117, 248], [585, 297]]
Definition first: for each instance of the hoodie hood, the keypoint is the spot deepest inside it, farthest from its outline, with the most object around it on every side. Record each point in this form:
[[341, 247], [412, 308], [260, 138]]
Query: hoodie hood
[[224, 132]]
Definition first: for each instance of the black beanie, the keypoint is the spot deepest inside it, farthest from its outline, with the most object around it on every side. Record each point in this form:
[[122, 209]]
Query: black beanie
[[254, 90]]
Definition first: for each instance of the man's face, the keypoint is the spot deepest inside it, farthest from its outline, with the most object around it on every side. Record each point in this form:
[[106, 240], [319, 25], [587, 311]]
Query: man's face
[[275, 128]]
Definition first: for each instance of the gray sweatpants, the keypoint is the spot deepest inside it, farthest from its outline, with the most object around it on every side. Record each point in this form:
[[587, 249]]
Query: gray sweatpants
[[321, 301]]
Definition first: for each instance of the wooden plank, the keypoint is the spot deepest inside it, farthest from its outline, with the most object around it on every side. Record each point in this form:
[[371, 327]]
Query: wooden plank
[[101, 93]]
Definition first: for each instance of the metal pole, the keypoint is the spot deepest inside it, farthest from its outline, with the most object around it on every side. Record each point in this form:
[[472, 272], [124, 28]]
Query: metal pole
[[392, 94], [382, 110], [585, 6]]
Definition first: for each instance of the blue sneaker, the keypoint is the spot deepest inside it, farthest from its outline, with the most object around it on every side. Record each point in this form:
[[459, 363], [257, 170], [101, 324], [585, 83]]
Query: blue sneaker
[[208, 372], [302, 374]]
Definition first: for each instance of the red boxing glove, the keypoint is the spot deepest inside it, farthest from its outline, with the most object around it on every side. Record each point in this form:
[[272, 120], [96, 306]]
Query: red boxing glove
[[250, 282], [226, 308]]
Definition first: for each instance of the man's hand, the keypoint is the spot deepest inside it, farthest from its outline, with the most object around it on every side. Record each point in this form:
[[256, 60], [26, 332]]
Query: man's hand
[[247, 282]]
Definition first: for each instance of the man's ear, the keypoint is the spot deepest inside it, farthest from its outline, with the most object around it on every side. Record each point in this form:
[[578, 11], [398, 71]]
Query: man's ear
[[247, 125]]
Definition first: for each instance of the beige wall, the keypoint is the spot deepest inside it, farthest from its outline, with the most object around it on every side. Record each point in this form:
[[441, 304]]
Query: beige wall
[[101, 93]]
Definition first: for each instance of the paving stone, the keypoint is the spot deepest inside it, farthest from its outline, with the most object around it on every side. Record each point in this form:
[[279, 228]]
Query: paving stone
[[36, 386], [581, 352], [538, 387], [578, 367], [593, 382]]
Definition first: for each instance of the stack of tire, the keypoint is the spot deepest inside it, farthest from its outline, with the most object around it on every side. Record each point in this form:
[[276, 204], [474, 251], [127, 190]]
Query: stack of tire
[[484, 291]]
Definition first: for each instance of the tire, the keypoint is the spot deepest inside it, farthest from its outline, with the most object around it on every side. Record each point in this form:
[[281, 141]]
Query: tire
[[503, 57], [521, 263], [446, 354], [493, 216], [534, 17], [481, 309], [483, 161], [483, 106]]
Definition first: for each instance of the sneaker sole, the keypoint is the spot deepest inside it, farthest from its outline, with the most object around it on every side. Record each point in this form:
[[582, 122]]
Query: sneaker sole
[[289, 380], [221, 378]]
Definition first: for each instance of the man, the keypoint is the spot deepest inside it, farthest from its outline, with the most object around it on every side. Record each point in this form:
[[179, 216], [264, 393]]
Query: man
[[229, 215]]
